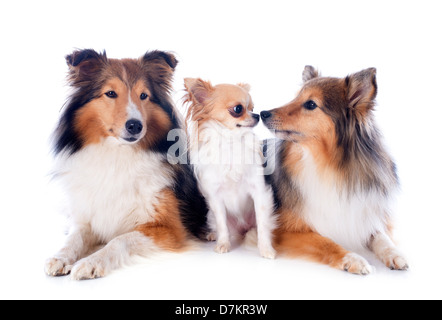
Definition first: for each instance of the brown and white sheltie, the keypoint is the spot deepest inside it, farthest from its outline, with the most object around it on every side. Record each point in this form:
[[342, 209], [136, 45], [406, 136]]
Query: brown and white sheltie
[[111, 151], [334, 180]]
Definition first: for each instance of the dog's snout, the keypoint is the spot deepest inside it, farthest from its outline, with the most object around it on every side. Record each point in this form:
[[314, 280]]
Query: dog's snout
[[265, 115], [255, 116], [134, 126]]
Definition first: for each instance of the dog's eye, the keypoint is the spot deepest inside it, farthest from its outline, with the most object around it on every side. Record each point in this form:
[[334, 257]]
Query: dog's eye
[[144, 96], [111, 94], [310, 105], [238, 109]]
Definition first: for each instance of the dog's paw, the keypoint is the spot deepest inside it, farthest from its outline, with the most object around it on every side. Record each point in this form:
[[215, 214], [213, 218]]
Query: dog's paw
[[56, 267], [222, 247], [267, 252], [211, 236], [395, 261], [355, 264], [88, 269]]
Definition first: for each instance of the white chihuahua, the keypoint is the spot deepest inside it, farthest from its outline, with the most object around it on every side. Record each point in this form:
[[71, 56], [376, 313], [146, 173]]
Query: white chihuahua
[[228, 163]]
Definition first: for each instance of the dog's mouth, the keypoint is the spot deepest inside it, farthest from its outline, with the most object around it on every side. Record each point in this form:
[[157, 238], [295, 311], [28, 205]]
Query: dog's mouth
[[133, 131], [289, 135], [127, 138], [275, 125], [288, 132], [247, 126], [131, 139]]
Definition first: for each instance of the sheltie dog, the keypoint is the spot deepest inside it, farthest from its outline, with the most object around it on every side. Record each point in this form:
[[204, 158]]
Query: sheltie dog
[[111, 150], [334, 180], [228, 162]]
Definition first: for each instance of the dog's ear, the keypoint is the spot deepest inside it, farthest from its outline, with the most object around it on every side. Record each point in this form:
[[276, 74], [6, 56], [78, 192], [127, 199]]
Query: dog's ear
[[362, 90], [245, 86], [158, 68], [309, 73], [198, 90], [165, 59], [85, 64]]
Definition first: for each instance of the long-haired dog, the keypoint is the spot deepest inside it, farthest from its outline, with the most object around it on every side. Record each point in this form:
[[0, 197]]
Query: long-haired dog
[[227, 159], [334, 179], [111, 148]]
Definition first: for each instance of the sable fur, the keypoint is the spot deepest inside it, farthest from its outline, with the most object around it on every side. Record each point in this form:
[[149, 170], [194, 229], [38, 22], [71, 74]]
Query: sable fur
[[122, 191], [89, 70], [334, 180]]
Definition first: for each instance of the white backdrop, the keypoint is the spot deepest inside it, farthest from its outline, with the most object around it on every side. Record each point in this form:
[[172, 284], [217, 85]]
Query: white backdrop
[[264, 43]]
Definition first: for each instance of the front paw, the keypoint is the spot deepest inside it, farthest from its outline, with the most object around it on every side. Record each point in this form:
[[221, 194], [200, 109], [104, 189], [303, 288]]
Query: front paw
[[395, 261], [222, 247], [355, 264], [267, 252], [88, 268], [56, 267]]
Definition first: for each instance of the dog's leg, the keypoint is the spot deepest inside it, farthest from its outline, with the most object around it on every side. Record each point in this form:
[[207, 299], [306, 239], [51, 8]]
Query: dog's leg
[[147, 239], [323, 250], [386, 251], [165, 232], [78, 243], [265, 221], [211, 236], [218, 211], [222, 230], [116, 253]]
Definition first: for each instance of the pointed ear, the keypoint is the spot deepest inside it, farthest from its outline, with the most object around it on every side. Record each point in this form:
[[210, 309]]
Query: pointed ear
[[362, 89], [199, 90], [245, 86], [165, 59], [309, 73], [85, 64]]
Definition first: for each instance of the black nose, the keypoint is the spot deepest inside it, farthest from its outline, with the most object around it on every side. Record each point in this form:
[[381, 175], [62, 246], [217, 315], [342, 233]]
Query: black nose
[[255, 116], [134, 127], [265, 115]]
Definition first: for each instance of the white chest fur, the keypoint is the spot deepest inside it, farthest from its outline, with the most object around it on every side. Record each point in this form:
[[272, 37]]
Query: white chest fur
[[347, 218], [112, 187], [228, 165]]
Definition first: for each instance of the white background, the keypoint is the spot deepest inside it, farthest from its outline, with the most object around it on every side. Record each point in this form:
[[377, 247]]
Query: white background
[[264, 43]]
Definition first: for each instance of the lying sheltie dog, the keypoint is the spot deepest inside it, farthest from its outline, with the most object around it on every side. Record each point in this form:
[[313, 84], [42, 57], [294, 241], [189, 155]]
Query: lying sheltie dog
[[228, 162], [334, 180], [111, 150]]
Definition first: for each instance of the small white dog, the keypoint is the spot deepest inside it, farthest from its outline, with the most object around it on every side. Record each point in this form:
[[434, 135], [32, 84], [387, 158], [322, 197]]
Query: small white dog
[[228, 163]]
